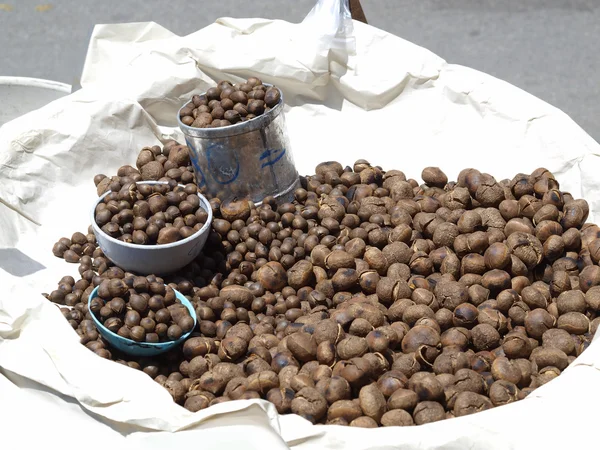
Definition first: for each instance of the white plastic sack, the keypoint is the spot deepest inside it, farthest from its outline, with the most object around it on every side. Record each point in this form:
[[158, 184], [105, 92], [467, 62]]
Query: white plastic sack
[[349, 96]]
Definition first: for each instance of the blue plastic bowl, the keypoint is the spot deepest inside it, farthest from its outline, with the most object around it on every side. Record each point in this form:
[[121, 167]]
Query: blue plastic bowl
[[141, 348]]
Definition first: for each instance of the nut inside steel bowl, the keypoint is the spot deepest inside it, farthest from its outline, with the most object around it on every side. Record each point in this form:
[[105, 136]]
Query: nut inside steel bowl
[[132, 347], [157, 259]]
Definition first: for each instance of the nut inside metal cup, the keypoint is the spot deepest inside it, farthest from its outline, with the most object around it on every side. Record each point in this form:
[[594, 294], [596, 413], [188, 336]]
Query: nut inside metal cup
[[250, 159], [254, 124]]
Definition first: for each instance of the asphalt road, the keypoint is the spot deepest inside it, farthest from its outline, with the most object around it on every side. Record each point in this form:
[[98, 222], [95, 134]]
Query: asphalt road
[[547, 47]]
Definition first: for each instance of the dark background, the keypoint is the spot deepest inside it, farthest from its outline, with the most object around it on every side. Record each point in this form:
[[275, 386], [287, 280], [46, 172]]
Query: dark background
[[549, 48]]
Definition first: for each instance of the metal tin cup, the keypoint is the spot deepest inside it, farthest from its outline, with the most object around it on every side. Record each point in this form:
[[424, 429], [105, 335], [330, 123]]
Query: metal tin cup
[[250, 159]]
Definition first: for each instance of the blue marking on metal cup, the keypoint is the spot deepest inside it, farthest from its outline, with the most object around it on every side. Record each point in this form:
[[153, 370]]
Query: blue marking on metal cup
[[215, 167], [278, 153], [200, 179]]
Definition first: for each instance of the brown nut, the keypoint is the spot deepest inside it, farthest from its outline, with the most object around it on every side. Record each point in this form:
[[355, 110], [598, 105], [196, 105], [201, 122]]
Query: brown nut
[[346, 409], [403, 399], [428, 412], [574, 323], [282, 398], [504, 369], [469, 402], [526, 247], [310, 404], [503, 392], [427, 386], [352, 347], [397, 417], [516, 345], [303, 346], [272, 276], [372, 402]]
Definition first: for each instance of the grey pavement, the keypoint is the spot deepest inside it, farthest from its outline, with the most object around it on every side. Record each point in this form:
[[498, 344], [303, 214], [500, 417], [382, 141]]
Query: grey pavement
[[546, 47]]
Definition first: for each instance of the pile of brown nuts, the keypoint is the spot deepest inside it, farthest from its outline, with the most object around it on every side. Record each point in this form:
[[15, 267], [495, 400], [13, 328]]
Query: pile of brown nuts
[[372, 300], [146, 214], [171, 163], [227, 104], [70, 292], [142, 309], [73, 249]]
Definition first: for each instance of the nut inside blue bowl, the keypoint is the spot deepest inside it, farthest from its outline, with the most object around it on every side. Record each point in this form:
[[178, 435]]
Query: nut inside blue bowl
[[132, 347]]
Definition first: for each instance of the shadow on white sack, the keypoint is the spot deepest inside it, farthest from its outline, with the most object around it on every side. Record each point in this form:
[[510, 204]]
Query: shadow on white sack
[[372, 95]]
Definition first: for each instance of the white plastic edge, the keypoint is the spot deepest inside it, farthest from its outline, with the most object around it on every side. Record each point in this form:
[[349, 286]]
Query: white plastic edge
[[36, 82]]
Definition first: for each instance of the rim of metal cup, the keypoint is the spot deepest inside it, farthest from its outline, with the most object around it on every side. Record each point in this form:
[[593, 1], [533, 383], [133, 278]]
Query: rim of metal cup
[[237, 128], [156, 345], [154, 247]]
